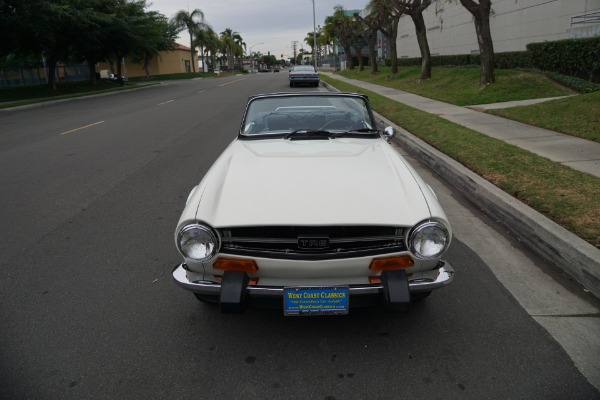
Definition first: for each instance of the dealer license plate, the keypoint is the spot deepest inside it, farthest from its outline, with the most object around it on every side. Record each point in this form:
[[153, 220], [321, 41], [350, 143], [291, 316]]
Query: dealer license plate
[[310, 301]]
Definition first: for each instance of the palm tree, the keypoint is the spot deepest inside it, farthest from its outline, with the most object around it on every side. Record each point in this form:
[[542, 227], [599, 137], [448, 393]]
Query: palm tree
[[232, 44], [190, 21], [240, 51], [339, 25], [212, 46], [310, 41], [204, 35]]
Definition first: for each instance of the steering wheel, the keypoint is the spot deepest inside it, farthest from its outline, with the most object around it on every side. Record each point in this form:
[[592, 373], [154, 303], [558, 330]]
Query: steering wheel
[[336, 124]]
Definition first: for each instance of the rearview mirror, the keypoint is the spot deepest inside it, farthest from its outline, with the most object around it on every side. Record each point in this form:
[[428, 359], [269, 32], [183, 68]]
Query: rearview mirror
[[388, 133]]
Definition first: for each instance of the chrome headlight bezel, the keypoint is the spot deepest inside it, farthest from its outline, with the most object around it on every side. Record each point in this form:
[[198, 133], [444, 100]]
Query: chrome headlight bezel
[[198, 234], [430, 230]]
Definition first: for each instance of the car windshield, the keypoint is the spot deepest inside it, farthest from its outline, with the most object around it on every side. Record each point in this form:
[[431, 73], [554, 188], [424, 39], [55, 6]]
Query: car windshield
[[319, 113], [304, 68]]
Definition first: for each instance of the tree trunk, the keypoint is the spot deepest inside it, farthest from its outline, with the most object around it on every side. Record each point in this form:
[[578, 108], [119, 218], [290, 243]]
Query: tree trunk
[[349, 62], [146, 69], [120, 70], [51, 63], [481, 14], [192, 52], [202, 57], [230, 59], [92, 71], [359, 58], [372, 56], [391, 35], [486, 51], [421, 31]]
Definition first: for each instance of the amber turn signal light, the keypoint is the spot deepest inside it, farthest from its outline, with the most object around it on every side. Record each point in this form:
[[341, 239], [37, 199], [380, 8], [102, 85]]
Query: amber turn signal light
[[235, 264], [387, 263]]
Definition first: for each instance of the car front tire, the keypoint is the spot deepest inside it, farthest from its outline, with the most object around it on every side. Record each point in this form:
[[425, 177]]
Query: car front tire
[[207, 298], [419, 296]]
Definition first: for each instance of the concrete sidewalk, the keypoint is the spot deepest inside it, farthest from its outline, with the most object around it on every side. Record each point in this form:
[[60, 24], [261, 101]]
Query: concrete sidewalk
[[554, 243], [579, 154]]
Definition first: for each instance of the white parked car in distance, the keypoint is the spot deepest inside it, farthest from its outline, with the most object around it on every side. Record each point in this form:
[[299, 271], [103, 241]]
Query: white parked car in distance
[[310, 209]]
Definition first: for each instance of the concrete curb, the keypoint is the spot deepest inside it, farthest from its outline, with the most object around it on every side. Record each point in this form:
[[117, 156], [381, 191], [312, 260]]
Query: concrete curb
[[551, 241], [555, 244]]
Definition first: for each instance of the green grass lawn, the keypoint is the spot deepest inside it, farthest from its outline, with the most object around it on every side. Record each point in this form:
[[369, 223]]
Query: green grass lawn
[[577, 115], [460, 85], [567, 196]]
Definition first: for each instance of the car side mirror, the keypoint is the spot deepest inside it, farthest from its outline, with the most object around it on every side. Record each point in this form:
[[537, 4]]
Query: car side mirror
[[388, 133]]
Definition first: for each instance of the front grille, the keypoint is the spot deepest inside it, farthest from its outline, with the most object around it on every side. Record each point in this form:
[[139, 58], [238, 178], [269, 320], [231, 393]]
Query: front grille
[[312, 242]]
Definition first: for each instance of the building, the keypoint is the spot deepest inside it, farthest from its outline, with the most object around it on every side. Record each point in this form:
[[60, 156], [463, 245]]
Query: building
[[164, 63], [514, 24]]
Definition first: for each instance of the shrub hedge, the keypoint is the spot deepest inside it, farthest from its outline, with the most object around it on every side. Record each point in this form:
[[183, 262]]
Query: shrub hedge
[[572, 57], [578, 58]]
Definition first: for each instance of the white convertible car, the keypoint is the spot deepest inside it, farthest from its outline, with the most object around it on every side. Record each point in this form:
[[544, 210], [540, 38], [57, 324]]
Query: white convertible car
[[310, 209]]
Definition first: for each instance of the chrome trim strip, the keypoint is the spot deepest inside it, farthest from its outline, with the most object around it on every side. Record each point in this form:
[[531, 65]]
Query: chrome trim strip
[[445, 277], [233, 239]]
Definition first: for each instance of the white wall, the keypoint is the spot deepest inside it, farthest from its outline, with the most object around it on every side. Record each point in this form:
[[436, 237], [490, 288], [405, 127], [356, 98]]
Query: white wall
[[514, 24]]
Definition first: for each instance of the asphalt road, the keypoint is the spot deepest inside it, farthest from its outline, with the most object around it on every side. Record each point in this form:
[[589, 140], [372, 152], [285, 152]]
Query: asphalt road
[[91, 191]]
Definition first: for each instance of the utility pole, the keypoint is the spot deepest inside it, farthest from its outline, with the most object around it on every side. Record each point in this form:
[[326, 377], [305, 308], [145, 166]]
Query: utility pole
[[314, 37], [294, 45]]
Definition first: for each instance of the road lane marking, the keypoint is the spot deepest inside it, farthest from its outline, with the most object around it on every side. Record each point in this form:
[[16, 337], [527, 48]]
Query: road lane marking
[[82, 127], [229, 83], [202, 91], [165, 102]]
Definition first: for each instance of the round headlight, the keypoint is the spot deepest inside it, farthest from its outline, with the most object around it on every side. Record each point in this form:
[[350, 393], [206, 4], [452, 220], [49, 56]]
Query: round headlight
[[428, 240], [198, 242]]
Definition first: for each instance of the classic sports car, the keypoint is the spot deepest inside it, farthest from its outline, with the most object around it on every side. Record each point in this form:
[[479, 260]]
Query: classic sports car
[[300, 74], [311, 209]]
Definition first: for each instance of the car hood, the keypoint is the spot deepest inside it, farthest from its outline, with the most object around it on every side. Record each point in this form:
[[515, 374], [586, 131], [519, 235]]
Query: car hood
[[310, 182]]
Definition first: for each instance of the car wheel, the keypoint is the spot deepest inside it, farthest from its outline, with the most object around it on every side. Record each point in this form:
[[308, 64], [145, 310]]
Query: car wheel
[[291, 84], [207, 298], [419, 296]]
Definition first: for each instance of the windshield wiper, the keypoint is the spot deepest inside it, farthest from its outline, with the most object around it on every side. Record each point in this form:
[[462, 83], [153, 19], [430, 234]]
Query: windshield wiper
[[311, 133], [351, 131]]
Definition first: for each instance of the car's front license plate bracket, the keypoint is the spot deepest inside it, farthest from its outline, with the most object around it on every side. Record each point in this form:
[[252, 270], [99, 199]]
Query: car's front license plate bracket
[[315, 300]]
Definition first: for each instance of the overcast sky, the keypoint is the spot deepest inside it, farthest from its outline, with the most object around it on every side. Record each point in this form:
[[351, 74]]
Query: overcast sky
[[276, 23]]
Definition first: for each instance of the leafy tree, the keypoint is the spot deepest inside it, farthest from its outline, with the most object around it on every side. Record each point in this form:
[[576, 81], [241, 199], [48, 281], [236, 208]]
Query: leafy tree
[[9, 25], [125, 33], [388, 18], [268, 60], [481, 14], [357, 41], [370, 26], [340, 25], [159, 35], [50, 25], [190, 21], [93, 19], [415, 8]]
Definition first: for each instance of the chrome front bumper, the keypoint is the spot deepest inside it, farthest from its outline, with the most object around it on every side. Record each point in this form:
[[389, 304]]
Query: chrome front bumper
[[444, 277]]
